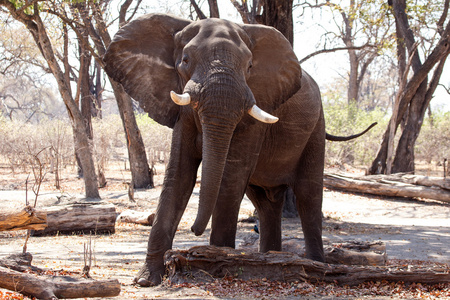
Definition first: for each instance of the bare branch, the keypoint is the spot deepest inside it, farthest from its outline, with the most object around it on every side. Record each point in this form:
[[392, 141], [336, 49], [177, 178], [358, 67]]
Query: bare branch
[[440, 23], [447, 89], [334, 50], [199, 12]]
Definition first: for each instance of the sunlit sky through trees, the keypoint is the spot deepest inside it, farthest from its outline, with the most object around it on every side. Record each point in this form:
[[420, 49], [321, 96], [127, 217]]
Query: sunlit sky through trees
[[308, 31]]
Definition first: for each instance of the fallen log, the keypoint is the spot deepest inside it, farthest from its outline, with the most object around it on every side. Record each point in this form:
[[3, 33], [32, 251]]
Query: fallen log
[[19, 262], [26, 218], [385, 187], [49, 287], [347, 253], [136, 217], [56, 287], [85, 217], [357, 253], [440, 182], [204, 262]]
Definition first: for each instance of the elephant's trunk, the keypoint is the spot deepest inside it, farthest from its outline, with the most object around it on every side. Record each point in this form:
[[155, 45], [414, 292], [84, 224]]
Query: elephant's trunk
[[216, 142]]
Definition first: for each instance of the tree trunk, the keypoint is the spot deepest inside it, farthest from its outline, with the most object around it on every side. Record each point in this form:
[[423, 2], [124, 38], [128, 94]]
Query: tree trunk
[[416, 96], [96, 91], [85, 92], [353, 83], [213, 9], [141, 174], [278, 14], [82, 145], [140, 170]]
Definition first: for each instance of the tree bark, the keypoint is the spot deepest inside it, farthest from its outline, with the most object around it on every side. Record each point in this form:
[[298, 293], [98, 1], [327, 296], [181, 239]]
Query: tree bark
[[141, 173], [417, 94], [26, 218], [288, 267], [77, 218], [56, 287], [278, 14], [386, 187], [85, 92], [36, 27], [213, 9], [142, 176]]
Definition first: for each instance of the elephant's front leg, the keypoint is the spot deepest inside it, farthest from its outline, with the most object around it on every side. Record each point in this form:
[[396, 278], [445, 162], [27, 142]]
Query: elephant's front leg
[[241, 161], [178, 185]]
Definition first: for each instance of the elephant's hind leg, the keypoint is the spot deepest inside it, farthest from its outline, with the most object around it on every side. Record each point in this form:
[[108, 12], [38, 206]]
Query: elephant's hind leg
[[308, 190]]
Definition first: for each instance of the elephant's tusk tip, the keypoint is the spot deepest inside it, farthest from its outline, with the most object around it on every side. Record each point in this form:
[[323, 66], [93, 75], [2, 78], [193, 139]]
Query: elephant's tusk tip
[[183, 99], [262, 116]]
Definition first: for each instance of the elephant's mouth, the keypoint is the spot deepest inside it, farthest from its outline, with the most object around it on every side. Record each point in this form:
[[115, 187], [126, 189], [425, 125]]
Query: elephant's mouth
[[255, 111]]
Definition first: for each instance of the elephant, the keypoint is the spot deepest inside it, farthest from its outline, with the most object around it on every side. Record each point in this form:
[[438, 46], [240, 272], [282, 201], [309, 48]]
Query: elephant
[[241, 106]]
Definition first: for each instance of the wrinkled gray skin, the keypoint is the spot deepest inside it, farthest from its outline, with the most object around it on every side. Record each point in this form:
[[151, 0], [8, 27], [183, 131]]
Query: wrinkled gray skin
[[226, 68]]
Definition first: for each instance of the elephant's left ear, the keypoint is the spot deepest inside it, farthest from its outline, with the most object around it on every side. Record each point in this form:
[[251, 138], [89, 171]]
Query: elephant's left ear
[[276, 72], [141, 58]]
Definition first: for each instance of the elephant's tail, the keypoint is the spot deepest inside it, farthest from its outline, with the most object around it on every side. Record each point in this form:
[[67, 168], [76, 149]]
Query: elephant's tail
[[336, 138]]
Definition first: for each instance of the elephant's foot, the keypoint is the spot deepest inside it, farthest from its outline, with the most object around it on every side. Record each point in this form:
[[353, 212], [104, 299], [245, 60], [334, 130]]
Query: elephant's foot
[[149, 275]]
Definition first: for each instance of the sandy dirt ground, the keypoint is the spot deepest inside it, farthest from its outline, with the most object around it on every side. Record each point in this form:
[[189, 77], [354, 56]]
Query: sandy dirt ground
[[415, 231]]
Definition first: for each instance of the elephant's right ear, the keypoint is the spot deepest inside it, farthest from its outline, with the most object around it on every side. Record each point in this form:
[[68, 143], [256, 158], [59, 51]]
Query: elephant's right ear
[[141, 58]]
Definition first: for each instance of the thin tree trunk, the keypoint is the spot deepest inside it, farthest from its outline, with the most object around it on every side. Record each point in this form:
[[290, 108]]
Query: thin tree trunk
[[141, 174], [353, 86], [140, 170], [37, 29], [85, 92], [213, 9]]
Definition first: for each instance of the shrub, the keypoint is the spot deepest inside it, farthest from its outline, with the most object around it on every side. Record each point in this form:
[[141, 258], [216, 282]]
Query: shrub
[[433, 143], [342, 119]]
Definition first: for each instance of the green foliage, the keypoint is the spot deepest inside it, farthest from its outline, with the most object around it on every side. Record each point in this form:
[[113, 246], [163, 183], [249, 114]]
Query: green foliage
[[433, 143], [342, 119]]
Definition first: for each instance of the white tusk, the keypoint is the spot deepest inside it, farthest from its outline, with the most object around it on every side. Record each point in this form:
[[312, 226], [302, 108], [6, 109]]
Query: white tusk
[[261, 115], [184, 99]]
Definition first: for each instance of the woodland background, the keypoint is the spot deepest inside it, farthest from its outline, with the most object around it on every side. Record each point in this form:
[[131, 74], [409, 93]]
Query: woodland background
[[58, 109]]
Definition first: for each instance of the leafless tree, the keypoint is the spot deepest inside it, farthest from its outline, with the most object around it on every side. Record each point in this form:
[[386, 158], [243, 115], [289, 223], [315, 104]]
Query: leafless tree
[[29, 14], [417, 93]]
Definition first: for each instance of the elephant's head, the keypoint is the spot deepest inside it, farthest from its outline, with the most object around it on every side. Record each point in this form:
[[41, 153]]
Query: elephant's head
[[217, 69]]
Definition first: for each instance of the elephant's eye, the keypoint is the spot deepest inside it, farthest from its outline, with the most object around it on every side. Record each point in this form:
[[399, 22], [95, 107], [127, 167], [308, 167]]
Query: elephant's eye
[[250, 65], [185, 59]]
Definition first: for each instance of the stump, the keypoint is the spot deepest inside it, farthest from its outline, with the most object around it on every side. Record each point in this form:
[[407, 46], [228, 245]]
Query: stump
[[85, 217], [206, 262]]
